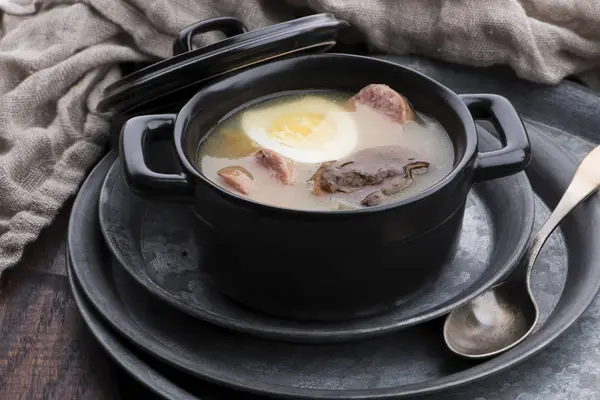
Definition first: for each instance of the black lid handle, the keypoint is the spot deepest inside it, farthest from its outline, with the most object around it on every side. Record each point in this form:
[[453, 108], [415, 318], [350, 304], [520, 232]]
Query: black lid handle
[[228, 25]]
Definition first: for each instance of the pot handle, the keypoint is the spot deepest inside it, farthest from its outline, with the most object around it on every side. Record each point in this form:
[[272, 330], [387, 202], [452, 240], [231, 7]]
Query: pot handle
[[137, 133], [515, 154], [228, 25]]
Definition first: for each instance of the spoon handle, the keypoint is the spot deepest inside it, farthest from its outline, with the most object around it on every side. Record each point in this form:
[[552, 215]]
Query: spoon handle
[[584, 183]]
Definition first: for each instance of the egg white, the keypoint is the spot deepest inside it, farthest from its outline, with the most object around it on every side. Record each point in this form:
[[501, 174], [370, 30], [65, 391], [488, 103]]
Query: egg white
[[340, 143]]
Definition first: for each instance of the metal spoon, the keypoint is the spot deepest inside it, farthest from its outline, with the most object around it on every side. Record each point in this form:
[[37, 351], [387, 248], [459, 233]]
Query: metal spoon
[[506, 314]]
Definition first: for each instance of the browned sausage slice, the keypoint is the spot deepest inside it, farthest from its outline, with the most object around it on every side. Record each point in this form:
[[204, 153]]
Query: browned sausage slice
[[385, 100], [282, 168], [237, 177]]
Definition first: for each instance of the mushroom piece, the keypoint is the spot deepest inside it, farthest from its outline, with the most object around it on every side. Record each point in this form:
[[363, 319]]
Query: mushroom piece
[[396, 184], [386, 168]]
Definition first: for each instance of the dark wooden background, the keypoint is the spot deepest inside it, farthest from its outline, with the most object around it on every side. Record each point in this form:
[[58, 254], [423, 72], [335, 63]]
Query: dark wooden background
[[46, 351]]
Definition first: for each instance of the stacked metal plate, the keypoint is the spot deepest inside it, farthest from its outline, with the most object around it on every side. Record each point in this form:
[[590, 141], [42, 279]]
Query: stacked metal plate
[[136, 273]]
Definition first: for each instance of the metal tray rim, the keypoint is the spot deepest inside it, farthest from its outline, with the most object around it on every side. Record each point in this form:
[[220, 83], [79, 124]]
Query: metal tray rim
[[559, 321]]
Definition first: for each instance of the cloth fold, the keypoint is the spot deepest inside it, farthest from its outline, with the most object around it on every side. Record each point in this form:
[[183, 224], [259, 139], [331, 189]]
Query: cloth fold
[[57, 56]]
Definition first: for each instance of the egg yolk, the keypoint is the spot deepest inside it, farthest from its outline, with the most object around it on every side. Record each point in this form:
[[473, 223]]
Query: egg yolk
[[301, 130]]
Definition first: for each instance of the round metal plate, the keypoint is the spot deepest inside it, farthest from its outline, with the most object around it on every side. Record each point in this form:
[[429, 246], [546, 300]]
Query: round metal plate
[[123, 356], [408, 362], [161, 246]]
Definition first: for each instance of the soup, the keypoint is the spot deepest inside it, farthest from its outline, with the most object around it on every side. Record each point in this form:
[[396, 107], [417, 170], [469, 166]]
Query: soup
[[327, 150]]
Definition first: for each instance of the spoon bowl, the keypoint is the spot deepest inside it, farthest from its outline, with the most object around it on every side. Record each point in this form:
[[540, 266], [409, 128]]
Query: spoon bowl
[[506, 314], [491, 323]]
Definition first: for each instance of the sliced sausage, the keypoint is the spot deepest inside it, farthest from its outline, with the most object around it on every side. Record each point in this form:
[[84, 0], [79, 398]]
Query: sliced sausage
[[385, 100], [237, 177], [282, 167]]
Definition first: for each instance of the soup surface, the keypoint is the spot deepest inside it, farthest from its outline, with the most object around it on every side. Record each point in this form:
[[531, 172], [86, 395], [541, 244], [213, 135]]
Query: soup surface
[[327, 150]]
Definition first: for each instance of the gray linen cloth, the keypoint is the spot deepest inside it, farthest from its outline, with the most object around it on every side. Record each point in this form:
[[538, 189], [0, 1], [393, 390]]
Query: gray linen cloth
[[57, 56]]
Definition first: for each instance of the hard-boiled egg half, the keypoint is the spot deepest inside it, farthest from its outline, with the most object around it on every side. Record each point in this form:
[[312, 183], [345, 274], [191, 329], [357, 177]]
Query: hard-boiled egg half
[[308, 130]]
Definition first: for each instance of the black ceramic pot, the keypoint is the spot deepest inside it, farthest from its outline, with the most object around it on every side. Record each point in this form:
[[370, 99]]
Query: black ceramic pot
[[326, 265]]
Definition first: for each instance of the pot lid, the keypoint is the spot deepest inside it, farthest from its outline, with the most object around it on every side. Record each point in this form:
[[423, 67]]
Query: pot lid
[[177, 77]]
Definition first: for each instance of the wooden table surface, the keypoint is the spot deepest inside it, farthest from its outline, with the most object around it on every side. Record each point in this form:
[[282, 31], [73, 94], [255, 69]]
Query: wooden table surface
[[46, 350]]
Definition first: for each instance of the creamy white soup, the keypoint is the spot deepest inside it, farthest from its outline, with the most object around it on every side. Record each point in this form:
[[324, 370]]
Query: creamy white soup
[[327, 150]]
